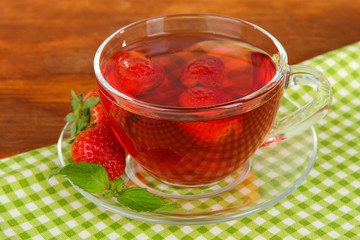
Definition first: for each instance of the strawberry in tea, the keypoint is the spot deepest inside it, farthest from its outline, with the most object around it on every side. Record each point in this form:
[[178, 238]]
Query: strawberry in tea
[[189, 136]]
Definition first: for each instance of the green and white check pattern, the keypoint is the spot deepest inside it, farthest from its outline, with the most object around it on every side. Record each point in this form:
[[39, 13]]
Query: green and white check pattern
[[325, 206]]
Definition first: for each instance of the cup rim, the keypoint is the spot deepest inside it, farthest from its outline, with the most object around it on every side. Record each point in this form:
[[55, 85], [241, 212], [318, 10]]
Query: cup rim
[[281, 68]]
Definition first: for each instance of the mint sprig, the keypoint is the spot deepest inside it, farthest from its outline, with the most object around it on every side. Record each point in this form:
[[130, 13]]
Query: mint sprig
[[93, 178], [80, 115]]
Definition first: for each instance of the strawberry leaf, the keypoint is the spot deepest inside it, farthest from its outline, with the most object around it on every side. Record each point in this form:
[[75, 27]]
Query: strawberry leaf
[[73, 129], [74, 96], [75, 100], [81, 124], [91, 102], [70, 117], [139, 199], [91, 177]]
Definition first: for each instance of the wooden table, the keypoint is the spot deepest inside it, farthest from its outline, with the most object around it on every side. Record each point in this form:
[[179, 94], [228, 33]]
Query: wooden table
[[47, 48]]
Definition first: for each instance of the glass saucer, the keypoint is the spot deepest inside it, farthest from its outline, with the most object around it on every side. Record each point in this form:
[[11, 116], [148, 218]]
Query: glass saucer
[[141, 178], [276, 171]]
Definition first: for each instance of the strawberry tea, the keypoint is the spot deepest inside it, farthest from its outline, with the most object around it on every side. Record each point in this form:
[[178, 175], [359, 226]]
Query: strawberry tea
[[192, 97], [191, 72]]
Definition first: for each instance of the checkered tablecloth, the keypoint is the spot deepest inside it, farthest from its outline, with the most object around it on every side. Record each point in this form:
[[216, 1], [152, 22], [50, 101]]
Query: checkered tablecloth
[[325, 206]]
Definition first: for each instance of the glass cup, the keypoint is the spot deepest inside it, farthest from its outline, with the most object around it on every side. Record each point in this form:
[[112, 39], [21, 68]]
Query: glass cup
[[176, 145]]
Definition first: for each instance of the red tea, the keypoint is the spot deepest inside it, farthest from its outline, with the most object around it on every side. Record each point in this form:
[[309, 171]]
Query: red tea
[[190, 72]]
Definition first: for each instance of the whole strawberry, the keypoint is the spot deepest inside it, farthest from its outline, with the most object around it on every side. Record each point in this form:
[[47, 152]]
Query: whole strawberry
[[209, 132], [214, 132], [137, 74], [208, 71], [92, 136], [98, 144]]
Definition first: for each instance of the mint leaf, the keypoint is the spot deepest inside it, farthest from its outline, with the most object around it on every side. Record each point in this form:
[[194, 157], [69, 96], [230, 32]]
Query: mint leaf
[[117, 185], [54, 171], [139, 199], [167, 207], [91, 177], [108, 194]]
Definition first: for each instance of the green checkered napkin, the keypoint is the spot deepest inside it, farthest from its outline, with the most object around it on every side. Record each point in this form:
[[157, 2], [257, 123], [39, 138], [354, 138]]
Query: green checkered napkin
[[325, 206]]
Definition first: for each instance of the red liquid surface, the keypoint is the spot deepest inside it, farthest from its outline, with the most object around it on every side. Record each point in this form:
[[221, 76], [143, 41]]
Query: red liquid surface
[[193, 152]]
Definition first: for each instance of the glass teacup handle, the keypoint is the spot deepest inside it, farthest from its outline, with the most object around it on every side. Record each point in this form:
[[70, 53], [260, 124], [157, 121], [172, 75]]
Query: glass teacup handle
[[306, 116]]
